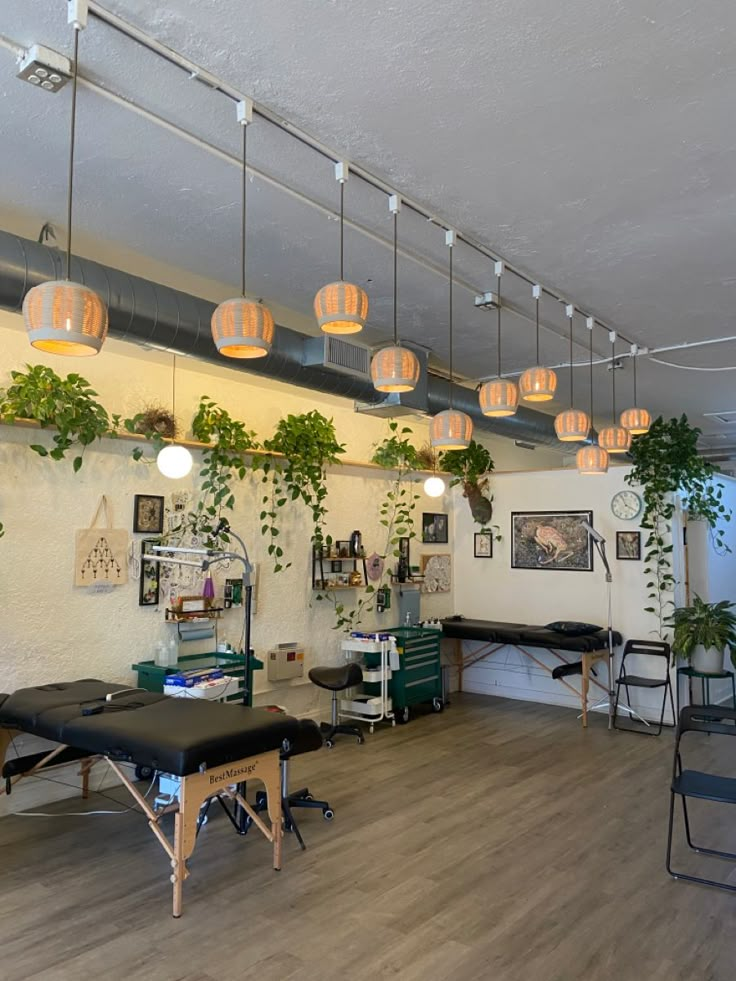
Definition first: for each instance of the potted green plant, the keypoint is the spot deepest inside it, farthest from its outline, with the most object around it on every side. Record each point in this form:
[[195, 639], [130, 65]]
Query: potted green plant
[[702, 632]]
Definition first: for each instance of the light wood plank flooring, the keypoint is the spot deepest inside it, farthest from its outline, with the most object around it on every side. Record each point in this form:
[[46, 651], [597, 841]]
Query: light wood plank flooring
[[495, 841]]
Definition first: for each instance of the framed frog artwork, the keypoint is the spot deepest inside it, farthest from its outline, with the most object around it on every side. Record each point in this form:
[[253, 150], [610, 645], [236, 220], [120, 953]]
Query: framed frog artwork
[[553, 540]]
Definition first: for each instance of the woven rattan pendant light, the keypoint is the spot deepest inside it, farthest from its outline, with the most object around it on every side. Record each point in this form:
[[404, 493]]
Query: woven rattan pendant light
[[537, 384], [636, 420], [614, 438], [451, 429], [591, 460], [243, 328], [395, 368], [572, 425], [500, 396], [62, 317], [341, 308]]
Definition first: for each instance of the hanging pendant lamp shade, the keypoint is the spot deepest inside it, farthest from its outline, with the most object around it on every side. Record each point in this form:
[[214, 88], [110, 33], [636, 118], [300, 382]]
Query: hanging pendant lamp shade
[[62, 317], [451, 429], [67, 318], [395, 369], [636, 420], [243, 328], [615, 439], [591, 460], [340, 307], [572, 425], [499, 397], [174, 461], [537, 384]]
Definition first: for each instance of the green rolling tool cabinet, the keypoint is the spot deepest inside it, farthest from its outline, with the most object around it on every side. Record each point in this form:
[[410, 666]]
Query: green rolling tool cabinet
[[152, 676], [419, 678]]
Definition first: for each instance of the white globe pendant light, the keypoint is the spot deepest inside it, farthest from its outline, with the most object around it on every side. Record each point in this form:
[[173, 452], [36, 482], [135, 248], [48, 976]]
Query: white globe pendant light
[[434, 486], [174, 461]]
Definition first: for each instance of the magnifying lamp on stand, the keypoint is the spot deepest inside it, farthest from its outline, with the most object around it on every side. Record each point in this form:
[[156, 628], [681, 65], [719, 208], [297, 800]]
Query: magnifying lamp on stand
[[211, 556], [600, 544]]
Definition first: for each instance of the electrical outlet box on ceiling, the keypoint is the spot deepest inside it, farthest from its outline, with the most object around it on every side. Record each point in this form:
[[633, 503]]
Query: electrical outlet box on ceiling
[[44, 68]]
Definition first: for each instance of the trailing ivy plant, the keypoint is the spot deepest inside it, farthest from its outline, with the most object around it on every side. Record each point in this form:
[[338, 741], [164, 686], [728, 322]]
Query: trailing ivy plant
[[68, 403], [665, 463], [224, 460], [308, 445], [471, 468]]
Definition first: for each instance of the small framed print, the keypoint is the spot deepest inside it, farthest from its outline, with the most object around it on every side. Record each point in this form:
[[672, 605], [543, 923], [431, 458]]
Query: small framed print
[[628, 545], [336, 566], [148, 514], [148, 590], [434, 529], [483, 545], [343, 549]]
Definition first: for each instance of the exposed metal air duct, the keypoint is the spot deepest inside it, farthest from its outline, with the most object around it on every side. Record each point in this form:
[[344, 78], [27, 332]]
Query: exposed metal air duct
[[147, 313]]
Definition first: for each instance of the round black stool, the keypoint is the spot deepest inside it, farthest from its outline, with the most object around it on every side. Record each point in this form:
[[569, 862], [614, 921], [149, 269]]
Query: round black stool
[[335, 680]]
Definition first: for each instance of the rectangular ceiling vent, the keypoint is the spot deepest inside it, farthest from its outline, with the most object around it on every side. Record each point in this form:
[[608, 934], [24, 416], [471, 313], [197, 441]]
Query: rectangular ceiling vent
[[339, 355], [728, 417]]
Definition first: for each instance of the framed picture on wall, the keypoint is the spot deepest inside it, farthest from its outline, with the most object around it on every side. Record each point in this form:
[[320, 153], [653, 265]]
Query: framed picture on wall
[[148, 589], [434, 529], [437, 572], [148, 514], [552, 540], [483, 545], [628, 545]]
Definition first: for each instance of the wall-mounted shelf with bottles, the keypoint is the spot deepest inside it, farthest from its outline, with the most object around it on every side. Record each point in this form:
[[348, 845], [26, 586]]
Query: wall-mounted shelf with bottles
[[333, 570]]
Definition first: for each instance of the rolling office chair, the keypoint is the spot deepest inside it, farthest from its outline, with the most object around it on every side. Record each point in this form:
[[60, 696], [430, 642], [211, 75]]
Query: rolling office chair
[[712, 719], [337, 679], [638, 649]]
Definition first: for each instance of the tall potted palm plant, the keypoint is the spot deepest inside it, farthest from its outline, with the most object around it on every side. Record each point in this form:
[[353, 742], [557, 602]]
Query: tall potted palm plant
[[702, 632]]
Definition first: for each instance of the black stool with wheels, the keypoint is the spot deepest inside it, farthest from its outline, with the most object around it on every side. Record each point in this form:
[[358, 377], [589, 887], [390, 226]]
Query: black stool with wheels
[[336, 680], [628, 679], [308, 739], [712, 719]]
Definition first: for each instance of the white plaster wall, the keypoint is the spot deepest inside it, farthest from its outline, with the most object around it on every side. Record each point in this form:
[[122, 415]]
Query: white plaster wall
[[492, 590], [50, 630]]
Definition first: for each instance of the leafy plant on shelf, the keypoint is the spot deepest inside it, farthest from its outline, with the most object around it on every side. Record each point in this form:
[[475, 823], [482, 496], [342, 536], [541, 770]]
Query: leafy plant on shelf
[[155, 424], [68, 403], [471, 468], [666, 462], [223, 460], [308, 445]]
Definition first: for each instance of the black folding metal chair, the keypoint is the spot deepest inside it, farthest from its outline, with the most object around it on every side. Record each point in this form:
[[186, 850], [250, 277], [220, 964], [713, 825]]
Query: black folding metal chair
[[704, 786], [628, 679]]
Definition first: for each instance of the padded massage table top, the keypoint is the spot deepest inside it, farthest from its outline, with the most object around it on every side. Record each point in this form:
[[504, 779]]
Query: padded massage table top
[[174, 735], [525, 635]]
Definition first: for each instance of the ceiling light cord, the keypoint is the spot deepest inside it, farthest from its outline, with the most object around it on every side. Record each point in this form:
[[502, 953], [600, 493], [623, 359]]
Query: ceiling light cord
[[342, 231], [244, 210], [173, 392], [636, 403], [396, 276], [537, 320], [451, 318], [73, 129], [613, 376], [498, 325], [591, 376], [572, 372]]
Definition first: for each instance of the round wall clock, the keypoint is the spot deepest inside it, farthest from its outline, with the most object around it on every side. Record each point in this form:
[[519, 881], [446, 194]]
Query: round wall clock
[[626, 505]]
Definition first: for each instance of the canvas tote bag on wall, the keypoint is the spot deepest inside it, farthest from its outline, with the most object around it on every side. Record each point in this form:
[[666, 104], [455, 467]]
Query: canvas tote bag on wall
[[101, 553]]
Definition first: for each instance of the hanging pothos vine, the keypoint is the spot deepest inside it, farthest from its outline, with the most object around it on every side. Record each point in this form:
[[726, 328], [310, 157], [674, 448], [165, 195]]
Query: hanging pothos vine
[[308, 445], [665, 463]]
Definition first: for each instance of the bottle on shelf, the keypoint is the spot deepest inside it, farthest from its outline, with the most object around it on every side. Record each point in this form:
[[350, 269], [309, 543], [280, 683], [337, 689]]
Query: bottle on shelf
[[356, 543]]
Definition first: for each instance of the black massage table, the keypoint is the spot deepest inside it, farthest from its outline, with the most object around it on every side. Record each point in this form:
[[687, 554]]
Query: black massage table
[[213, 747], [492, 635]]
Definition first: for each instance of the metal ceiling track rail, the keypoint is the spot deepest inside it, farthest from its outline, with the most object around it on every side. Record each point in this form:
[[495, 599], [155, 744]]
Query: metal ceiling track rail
[[220, 86]]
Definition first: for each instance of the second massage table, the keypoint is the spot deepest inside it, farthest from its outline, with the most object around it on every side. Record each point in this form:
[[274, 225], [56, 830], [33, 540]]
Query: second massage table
[[213, 747]]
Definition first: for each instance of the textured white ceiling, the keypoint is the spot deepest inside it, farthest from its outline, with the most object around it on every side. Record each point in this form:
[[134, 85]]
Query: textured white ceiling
[[593, 145]]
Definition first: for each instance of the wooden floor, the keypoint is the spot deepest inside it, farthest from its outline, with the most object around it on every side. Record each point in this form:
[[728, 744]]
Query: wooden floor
[[495, 841]]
